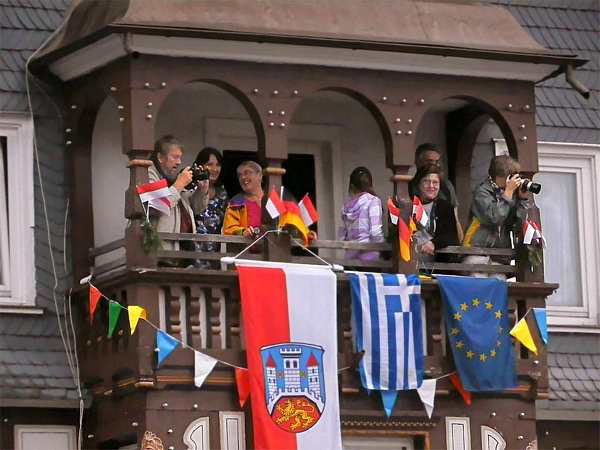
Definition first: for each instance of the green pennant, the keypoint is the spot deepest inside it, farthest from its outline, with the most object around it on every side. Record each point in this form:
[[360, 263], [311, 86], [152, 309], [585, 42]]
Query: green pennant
[[114, 311]]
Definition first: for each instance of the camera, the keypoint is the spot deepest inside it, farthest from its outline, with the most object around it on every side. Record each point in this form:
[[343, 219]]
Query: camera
[[528, 185], [199, 173]]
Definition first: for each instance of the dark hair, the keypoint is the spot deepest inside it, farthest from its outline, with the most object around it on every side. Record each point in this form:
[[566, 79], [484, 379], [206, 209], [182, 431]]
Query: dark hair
[[425, 170], [162, 146], [203, 157], [503, 166], [361, 181], [425, 147]]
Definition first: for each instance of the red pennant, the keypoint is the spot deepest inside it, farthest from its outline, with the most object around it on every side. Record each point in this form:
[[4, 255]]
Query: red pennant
[[466, 395], [242, 379], [94, 298]]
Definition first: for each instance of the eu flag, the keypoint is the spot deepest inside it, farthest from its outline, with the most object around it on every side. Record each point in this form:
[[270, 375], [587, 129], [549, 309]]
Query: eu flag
[[476, 313]]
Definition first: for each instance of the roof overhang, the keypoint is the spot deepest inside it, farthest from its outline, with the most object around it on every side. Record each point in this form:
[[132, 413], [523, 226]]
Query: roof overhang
[[457, 37]]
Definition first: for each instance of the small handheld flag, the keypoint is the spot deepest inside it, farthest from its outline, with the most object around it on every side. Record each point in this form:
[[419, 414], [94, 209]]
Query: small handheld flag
[[155, 194], [275, 207], [308, 211], [419, 212], [394, 211]]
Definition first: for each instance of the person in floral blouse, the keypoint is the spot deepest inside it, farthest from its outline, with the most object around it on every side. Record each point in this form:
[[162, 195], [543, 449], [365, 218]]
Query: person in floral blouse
[[210, 221]]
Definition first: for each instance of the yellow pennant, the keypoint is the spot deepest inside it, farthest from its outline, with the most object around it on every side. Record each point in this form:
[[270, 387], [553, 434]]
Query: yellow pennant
[[521, 332], [135, 314]]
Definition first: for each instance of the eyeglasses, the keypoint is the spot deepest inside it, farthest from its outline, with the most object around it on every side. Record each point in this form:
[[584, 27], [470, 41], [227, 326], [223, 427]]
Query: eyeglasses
[[430, 182]]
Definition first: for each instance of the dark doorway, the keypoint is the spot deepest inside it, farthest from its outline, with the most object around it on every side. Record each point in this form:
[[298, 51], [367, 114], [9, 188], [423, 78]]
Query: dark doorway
[[299, 178]]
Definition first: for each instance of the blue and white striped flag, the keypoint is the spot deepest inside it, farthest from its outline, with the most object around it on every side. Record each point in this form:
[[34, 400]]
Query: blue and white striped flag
[[387, 327]]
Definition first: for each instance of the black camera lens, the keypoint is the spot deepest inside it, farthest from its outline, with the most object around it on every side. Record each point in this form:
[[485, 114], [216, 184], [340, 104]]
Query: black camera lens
[[530, 186]]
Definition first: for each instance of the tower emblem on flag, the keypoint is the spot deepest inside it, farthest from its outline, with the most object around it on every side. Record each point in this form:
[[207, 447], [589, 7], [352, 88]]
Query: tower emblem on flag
[[294, 384]]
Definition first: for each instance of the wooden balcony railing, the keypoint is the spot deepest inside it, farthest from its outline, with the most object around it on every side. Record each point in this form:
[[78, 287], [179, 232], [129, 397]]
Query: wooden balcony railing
[[201, 307]]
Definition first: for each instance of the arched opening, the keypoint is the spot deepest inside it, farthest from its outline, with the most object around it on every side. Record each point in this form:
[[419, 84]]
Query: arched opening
[[465, 130], [331, 132], [110, 179], [211, 114]]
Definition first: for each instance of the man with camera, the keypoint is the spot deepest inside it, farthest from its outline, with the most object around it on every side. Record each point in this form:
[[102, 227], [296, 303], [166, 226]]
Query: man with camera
[[499, 203], [188, 194]]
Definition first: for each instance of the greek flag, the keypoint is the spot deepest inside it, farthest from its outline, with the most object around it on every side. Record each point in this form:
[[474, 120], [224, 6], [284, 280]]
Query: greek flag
[[387, 328]]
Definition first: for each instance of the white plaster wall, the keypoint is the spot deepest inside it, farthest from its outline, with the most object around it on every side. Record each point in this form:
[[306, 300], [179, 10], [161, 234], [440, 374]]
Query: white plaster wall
[[110, 179]]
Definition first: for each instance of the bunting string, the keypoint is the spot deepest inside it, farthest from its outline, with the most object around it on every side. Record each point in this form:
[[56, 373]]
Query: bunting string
[[158, 329]]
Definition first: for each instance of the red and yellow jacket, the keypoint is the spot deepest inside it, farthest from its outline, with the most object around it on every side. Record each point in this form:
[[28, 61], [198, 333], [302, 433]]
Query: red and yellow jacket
[[236, 216]]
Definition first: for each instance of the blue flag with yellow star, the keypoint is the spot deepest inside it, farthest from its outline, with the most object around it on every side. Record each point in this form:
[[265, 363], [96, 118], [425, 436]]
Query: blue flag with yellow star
[[476, 313]]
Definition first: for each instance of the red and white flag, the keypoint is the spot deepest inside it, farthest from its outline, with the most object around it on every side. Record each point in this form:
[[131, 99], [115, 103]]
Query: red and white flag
[[531, 231], [394, 211], [156, 195], [419, 212], [275, 206], [308, 211], [287, 312]]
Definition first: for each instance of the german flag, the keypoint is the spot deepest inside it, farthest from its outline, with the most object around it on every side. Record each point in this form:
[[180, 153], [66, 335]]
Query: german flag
[[404, 237], [292, 218]]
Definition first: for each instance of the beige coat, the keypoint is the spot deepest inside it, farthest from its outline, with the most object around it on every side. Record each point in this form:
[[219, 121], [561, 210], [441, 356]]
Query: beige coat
[[193, 202]]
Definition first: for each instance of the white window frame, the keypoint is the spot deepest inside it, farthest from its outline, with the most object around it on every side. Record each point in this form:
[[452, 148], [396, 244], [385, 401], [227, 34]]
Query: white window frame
[[583, 161], [19, 292], [21, 430]]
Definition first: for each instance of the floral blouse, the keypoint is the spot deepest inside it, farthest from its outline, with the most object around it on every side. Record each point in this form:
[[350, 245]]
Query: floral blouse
[[210, 221]]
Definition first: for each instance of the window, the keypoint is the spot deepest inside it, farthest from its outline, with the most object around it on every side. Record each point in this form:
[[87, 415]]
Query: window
[[17, 275], [48, 437], [570, 214]]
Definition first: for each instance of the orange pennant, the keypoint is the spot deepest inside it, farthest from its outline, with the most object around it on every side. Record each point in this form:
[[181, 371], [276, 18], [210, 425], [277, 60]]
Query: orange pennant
[[466, 395], [94, 299], [242, 379]]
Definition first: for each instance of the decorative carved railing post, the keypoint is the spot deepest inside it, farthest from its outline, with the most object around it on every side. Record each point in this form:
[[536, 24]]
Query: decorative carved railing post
[[278, 246], [134, 211], [401, 180]]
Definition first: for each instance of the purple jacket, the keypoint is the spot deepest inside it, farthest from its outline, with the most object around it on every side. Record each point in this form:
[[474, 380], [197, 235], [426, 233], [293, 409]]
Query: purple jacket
[[361, 217]]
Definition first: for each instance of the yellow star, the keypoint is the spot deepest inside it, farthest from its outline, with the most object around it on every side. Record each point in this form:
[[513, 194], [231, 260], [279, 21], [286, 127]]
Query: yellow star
[[454, 331], [460, 344], [464, 306], [470, 354], [493, 354], [488, 305], [457, 316], [482, 357], [475, 302], [498, 314]]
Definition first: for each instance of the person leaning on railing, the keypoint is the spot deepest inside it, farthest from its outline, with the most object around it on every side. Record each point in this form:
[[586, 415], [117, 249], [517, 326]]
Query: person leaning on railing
[[498, 205], [440, 230], [243, 215], [361, 215], [166, 159]]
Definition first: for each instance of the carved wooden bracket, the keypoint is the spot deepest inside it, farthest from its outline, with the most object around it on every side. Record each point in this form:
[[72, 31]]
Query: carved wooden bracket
[[151, 442]]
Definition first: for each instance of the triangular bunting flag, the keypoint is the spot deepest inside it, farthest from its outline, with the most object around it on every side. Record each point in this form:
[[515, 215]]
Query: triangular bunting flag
[[466, 395], [165, 344], [94, 298], [521, 332], [114, 311], [427, 395], [203, 366], [388, 398], [242, 379], [135, 314], [540, 318]]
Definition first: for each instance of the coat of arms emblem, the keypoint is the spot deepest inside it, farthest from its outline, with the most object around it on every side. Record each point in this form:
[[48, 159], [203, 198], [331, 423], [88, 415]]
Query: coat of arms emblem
[[294, 384]]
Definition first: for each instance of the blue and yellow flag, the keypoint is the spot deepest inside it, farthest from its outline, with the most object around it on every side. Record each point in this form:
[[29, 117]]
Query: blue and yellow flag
[[476, 313]]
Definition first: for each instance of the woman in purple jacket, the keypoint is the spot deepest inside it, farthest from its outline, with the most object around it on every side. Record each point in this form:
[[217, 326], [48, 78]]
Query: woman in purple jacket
[[361, 215]]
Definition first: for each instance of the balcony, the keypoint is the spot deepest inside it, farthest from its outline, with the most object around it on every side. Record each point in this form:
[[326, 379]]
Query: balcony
[[201, 307]]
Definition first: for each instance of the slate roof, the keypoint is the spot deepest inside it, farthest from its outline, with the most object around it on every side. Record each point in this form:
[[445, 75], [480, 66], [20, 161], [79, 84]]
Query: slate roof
[[24, 26], [574, 372], [571, 26], [33, 363]]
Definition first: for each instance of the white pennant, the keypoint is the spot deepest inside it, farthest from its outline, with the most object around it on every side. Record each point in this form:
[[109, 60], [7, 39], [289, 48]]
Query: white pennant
[[427, 395], [203, 366]]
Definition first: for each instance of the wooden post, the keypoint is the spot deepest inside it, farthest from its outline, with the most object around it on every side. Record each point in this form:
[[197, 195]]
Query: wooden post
[[278, 246], [525, 271], [401, 180]]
